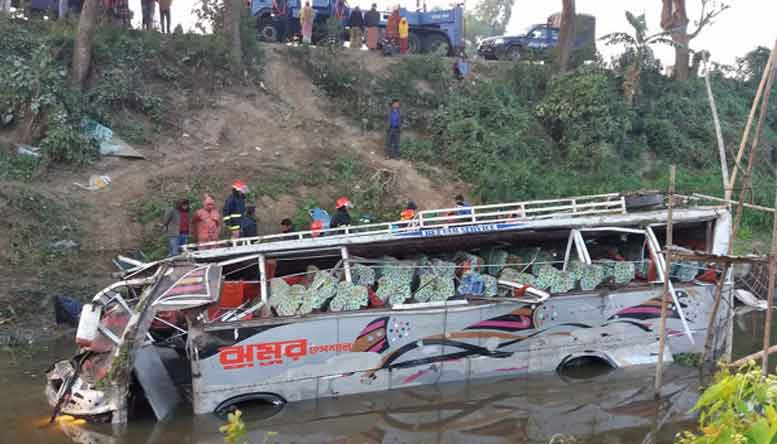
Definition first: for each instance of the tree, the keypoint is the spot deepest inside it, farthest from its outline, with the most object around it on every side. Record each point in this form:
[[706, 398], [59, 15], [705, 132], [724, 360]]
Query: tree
[[639, 44], [495, 13], [674, 20], [82, 52], [233, 9], [566, 35]]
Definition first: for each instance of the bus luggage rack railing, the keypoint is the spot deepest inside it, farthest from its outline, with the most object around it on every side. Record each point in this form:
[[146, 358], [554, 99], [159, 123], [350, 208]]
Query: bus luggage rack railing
[[599, 204]]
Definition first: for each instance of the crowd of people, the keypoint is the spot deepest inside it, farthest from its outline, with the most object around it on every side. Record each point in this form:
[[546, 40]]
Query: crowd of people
[[118, 12], [237, 219], [362, 27]]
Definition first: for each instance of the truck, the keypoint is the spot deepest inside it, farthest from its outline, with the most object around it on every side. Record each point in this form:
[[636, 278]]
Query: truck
[[430, 31], [538, 41]]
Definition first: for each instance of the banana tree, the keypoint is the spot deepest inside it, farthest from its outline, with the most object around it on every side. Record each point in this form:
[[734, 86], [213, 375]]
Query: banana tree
[[639, 43]]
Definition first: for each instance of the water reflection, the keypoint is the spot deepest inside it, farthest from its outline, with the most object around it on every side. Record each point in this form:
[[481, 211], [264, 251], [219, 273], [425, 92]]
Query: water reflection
[[613, 408]]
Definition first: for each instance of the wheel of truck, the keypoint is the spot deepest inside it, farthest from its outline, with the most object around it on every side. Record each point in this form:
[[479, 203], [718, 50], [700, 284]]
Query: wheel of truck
[[414, 44], [437, 44], [513, 53], [267, 30]]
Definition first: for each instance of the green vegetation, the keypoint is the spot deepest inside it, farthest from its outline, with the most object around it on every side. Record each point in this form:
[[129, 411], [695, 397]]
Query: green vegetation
[[135, 80], [688, 359], [739, 408], [522, 131]]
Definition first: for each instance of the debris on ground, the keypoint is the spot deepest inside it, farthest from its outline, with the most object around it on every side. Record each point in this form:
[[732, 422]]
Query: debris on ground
[[95, 183]]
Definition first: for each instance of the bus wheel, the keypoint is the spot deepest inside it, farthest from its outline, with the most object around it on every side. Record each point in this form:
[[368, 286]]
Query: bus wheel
[[267, 30], [413, 44]]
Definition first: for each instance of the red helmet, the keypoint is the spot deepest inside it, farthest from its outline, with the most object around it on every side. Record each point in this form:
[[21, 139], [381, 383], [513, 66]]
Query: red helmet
[[343, 202], [240, 186]]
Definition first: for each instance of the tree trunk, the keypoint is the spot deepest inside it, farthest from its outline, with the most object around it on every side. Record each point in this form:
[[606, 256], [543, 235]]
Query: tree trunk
[[682, 55], [232, 29], [675, 21], [82, 52], [566, 35]]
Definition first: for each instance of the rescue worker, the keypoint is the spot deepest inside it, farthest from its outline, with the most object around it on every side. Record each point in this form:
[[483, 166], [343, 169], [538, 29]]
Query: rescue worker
[[394, 129], [404, 35], [342, 217], [306, 18], [248, 223], [356, 24], [176, 226], [235, 208], [372, 21], [206, 223], [409, 212]]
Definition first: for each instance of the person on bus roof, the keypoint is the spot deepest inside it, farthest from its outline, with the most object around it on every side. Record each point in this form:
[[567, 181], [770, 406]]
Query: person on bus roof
[[235, 208], [342, 217], [248, 223]]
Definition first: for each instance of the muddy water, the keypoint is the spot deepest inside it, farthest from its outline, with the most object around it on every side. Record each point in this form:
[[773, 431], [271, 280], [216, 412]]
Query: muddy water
[[605, 408]]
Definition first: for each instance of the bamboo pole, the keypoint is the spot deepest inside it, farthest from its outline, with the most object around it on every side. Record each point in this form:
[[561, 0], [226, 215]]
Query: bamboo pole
[[718, 132], [746, 133], [664, 293], [770, 290], [755, 356], [740, 206]]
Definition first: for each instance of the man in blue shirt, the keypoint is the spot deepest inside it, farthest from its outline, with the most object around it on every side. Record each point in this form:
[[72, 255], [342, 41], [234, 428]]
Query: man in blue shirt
[[465, 208], [394, 128]]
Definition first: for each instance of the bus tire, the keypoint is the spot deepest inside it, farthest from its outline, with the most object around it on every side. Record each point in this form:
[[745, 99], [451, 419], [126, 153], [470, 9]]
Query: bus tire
[[414, 44], [267, 30]]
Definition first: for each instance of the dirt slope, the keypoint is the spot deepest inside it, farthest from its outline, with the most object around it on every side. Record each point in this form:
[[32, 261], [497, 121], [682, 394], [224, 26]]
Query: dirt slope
[[243, 133]]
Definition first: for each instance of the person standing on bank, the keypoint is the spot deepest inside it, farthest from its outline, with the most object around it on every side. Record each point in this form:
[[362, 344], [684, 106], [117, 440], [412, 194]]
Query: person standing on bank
[[356, 23], [372, 21], [306, 17], [176, 226], [164, 15], [404, 36], [394, 128]]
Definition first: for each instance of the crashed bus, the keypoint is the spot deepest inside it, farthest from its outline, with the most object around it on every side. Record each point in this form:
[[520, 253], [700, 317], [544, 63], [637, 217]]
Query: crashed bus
[[452, 295]]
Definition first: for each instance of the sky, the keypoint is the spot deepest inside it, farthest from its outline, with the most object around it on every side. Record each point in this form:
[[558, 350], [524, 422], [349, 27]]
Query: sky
[[746, 25]]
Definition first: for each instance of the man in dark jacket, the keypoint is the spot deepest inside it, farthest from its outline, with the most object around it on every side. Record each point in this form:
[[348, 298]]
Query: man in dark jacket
[[248, 224], [176, 226], [356, 22], [235, 208], [372, 21], [342, 217]]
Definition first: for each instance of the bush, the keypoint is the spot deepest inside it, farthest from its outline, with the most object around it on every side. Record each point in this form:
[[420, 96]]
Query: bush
[[583, 112], [739, 407]]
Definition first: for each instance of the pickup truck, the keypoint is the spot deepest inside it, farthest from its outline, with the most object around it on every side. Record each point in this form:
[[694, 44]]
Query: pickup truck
[[538, 41]]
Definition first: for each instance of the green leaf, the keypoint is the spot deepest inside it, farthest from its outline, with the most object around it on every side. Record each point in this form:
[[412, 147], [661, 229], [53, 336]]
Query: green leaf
[[760, 432]]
